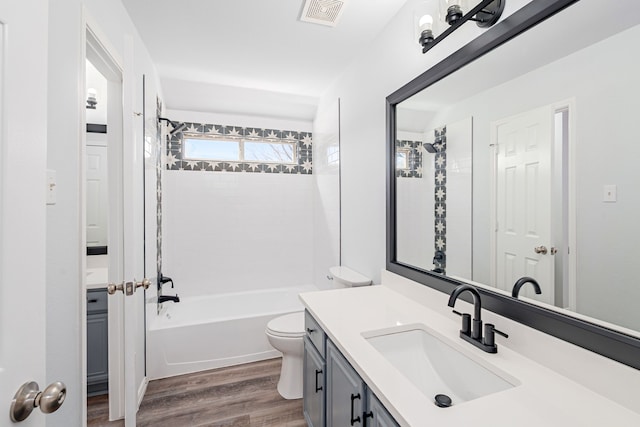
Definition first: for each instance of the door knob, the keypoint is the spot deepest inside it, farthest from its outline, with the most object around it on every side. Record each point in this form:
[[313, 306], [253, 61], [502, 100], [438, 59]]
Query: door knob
[[540, 250], [129, 287], [112, 288], [28, 397], [145, 283]]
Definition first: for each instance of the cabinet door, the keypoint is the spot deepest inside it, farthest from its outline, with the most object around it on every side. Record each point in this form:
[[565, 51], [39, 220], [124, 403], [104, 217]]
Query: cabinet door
[[377, 415], [97, 353], [345, 391], [314, 374]]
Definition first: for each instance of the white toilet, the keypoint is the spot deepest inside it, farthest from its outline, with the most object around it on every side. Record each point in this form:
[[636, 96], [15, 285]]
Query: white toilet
[[286, 334]]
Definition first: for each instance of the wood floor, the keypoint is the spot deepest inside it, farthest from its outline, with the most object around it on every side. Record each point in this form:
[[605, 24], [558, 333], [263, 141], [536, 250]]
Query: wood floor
[[238, 396]]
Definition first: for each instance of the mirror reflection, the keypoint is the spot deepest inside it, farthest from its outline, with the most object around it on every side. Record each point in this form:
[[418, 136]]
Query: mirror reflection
[[96, 161], [524, 163]]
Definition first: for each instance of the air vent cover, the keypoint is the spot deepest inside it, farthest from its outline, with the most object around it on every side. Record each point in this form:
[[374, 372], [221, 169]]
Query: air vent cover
[[323, 12]]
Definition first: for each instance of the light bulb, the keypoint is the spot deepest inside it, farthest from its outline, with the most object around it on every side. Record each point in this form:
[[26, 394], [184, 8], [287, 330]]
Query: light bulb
[[451, 11], [425, 23]]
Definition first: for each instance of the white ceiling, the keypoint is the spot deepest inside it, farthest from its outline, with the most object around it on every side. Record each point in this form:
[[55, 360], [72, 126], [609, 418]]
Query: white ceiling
[[259, 47]]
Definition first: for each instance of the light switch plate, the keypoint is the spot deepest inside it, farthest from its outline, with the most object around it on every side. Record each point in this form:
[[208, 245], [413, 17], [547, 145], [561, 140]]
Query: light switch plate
[[51, 187], [610, 194]]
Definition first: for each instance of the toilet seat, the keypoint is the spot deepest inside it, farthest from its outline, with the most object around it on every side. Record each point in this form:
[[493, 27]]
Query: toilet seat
[[287, 326]]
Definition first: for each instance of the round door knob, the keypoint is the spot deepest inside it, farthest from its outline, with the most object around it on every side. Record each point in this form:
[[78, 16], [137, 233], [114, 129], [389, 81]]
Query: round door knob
[[52, 397], [28, 397], [540, 250], [144, 284], [112, 288]]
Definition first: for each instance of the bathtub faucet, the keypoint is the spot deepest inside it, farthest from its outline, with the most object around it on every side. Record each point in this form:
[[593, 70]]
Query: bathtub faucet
[[164, 279], [165, 298]]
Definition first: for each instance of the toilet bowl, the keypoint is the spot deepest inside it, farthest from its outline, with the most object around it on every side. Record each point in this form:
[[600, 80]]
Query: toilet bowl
[[286, 334]]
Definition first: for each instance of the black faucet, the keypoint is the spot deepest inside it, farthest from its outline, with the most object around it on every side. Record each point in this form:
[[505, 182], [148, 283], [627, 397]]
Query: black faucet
[[473, 334], [521, 281], [164, 279], [165, 298]]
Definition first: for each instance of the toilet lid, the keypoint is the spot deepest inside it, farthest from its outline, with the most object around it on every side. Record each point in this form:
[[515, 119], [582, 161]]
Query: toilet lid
[[289, 325]]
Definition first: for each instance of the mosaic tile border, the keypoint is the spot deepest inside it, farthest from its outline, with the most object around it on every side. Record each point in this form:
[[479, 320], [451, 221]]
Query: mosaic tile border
[[440, 198], [304, 146], [158, 189], [414, 161]]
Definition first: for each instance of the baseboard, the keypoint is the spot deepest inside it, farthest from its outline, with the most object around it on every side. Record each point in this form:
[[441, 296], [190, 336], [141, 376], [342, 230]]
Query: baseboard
[[142, 390]]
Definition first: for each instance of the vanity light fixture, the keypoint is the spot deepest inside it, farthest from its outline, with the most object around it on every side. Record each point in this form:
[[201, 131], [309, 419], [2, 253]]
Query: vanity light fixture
[[92, 100], [484, 14]]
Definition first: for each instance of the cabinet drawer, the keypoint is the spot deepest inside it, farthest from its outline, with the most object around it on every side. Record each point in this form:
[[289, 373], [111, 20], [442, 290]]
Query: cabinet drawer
[[96, 301], [315, 333]]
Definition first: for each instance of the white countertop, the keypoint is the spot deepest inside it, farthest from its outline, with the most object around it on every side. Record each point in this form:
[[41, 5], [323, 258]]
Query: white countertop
[[97, 278], [543, 397]]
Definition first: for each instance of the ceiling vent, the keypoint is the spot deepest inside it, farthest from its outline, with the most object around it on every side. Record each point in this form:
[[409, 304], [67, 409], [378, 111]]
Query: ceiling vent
[[323, 12]]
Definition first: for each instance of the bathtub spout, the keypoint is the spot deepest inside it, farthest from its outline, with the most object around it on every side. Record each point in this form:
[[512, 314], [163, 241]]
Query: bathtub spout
[[165, 298]]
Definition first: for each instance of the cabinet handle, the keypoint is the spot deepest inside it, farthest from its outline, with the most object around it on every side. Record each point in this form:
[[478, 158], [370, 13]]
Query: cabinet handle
[[357, 419], [367, 415], [92, 301], [310, 331], [318, 372]]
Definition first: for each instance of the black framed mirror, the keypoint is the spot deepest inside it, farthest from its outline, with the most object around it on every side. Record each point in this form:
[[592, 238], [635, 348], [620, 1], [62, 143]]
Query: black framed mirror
[[409, 158]]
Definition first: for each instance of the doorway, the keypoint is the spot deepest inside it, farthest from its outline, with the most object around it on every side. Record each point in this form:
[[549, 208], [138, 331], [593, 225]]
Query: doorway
[[104, 224], [531, 208]]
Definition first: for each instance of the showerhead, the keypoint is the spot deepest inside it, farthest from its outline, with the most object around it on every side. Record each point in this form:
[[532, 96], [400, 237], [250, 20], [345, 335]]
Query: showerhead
[[177, 127], [430, 148], [439, 145]]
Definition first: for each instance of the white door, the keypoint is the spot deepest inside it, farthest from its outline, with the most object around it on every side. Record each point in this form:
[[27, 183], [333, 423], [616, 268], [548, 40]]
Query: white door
[[97, 196], [127, 379], [23, 127], [523, 201]]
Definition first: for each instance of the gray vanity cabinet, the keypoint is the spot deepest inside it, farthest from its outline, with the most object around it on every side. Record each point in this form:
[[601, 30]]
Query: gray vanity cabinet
[[97, 342], [376, 414], [345, 391], [334, 393], [314, 385]]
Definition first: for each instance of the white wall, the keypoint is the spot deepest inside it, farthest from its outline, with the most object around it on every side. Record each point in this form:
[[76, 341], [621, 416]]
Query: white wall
[[415, 217], [232, 232], [391, 61]]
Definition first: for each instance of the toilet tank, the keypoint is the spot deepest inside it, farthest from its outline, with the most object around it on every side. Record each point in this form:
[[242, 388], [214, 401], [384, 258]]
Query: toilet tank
[[347, 278]]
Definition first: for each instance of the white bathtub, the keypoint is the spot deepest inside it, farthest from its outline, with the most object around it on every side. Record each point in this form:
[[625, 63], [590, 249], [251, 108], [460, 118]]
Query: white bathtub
[[200, 333]]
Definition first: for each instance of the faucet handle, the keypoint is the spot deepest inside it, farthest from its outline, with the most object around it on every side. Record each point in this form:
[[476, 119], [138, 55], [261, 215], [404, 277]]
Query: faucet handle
[[466, 322], [490, 332]]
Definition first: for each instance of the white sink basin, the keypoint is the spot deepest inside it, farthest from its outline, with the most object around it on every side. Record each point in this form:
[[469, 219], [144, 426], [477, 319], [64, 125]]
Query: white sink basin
[[435, 367]]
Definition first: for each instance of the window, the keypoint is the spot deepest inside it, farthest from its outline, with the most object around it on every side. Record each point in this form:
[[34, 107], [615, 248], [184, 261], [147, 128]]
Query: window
[[269, 152], [239, 150], [402, 159], [333, 155], [208, 149]]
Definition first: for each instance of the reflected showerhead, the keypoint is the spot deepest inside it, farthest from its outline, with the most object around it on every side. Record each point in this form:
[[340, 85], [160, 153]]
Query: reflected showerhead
[[177, 127], [438, 145], [430, 148]]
